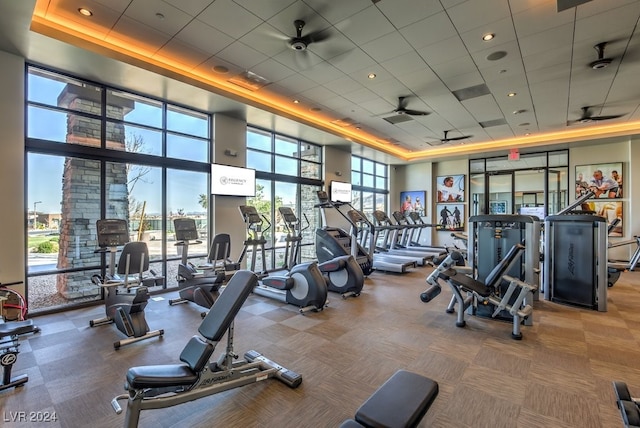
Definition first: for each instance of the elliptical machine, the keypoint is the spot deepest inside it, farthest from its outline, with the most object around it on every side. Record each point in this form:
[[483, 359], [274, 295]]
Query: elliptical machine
[[303, 285], [195, 285], [343, 273], [126, 295]]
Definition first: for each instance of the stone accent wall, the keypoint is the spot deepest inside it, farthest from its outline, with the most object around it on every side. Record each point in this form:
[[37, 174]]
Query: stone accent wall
[[81, 187]]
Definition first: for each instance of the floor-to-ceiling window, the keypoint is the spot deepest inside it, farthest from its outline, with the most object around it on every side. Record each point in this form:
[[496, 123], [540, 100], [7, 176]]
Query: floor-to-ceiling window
[[98, 152], [289, 173], [370, 185]]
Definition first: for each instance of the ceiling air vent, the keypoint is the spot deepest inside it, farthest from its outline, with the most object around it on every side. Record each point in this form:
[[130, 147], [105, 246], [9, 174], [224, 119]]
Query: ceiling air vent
[[398, 118], [249, 80], [568, 4], [471, 92], [495, 122]]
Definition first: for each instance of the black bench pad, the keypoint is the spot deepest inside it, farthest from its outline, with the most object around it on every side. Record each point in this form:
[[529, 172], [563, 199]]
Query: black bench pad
[[401, 401], [13, 328], [169, 375], [469, 284]]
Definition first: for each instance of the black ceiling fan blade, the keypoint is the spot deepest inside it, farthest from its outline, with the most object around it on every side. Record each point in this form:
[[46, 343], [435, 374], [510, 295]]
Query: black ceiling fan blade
[[462, 137], [317, 36], [402, 103], [613, 116], [415, 112]]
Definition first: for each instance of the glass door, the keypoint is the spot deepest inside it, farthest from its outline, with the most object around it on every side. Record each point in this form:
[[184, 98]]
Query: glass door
[[500, 193], [529, 192]]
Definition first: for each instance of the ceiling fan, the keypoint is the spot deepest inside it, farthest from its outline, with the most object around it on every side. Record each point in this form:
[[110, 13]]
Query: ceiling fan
[[446, 139], [601, 62], [300, 42], [402, 108], [586, 116]]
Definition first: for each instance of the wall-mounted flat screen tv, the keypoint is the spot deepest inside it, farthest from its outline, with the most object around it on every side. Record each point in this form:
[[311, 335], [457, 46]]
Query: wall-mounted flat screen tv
[[340, 191], [232, 181]]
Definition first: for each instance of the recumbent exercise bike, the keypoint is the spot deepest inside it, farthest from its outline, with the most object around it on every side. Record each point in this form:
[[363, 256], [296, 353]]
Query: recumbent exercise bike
[[126, 294]]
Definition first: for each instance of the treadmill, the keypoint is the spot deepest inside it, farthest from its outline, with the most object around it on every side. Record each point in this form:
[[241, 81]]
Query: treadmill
[[390, 234], [367, 232], [396, 236]]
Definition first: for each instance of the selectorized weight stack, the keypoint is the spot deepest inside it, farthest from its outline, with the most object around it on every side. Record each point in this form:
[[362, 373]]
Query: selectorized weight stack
[[575, 265], [491, 236]]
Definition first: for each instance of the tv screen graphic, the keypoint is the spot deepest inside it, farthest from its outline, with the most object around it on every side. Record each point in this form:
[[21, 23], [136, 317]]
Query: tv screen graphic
[[232, 181], [340, 191]]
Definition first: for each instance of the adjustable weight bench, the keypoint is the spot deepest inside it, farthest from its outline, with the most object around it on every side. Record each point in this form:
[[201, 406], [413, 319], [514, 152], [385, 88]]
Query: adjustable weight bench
[[161, 386], [10, 333], [401, 402], [629, 406], [516, 300]]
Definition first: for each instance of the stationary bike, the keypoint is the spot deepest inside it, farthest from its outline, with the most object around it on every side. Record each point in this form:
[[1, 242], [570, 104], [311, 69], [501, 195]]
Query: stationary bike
[[343, 273], [10, 333], [195, 285], [127, 295], [303, 285]]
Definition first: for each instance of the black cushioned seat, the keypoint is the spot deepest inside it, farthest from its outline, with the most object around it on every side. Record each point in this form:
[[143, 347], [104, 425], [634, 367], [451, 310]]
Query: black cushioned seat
[[401, 401], [169, 375], [484, 289], [16, 328], [197, 353]]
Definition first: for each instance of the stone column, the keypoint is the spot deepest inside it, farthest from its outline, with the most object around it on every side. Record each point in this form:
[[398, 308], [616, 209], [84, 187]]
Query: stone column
[[81, 186]]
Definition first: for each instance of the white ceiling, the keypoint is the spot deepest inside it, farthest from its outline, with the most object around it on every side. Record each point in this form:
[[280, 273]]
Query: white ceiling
[[424, 50]]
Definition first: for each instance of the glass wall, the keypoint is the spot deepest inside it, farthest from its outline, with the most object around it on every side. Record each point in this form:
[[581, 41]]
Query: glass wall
[[289, 173], [536, 184], [370, 185], [96, 152]]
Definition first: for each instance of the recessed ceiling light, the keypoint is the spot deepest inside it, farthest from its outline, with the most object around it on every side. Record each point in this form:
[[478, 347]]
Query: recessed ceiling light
[[488, 36], [296, 101], [84, 11], [372, 75], [511, 94]]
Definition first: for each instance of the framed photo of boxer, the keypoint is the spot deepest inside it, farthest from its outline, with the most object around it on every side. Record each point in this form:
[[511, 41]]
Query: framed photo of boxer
[[603, 179]]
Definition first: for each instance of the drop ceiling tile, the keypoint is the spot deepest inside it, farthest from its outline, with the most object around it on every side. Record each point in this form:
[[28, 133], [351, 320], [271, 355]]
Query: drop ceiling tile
[[323, 72], [598, 27], [404, 12], [386, 47], [543, 17], [597, 7], [297, 83], [119, 5], [352, 60], [264, 9], [337, 11], [544, 41], [503, 30], [98, 25], [272, 70], [444, 51], [334, 45], [554, 72], [192, 7], [241, 55], [483, 108], [505, 69], [170, 22], [266, 39], [136, 33], [175, 50], [449, 72], [360, 95], [551, 58], [378, 106], [389, 88], [364, 26], [319, 94], [230, 18], [478, 13], [429, 31], [405, 63], [342, 85], [204, 37]]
